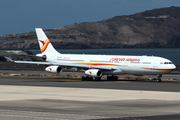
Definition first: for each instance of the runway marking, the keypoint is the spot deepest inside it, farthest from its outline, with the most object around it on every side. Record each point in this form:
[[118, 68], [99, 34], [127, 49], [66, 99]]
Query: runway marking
[[22, 116], [68, 107], [45, 115], [80, 94], [104, 118]]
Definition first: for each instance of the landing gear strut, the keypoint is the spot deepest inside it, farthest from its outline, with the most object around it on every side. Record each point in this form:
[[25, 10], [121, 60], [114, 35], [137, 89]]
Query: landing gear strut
[[159, 78]]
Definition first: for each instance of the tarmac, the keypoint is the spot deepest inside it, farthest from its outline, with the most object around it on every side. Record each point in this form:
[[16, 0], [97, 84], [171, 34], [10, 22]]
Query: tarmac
[[72, 99], [41, 71]]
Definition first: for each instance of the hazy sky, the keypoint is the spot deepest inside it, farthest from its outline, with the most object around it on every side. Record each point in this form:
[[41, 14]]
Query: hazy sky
[[21, 16]]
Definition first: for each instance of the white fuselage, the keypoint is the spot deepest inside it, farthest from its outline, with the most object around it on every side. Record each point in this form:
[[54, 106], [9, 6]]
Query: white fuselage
[[114, 64]]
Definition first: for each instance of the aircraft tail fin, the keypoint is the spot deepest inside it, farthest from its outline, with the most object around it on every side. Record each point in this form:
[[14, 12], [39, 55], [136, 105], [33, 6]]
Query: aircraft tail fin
[[44, 43]]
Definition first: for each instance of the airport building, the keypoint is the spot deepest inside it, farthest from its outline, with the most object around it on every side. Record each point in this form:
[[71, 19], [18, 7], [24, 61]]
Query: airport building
[[15, 55]]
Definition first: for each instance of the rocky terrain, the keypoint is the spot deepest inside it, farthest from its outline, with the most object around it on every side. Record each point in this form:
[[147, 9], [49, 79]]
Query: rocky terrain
[[158, 28]]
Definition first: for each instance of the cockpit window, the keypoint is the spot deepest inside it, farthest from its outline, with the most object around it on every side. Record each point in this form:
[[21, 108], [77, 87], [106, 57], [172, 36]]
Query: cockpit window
[[167, 62]]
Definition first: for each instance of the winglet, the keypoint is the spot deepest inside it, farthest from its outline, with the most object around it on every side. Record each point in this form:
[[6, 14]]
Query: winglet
[[8, 59]]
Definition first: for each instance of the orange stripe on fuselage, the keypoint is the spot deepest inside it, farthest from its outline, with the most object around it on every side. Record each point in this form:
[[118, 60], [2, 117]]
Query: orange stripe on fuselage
[[45, 46], [94, 63], [159, 69]]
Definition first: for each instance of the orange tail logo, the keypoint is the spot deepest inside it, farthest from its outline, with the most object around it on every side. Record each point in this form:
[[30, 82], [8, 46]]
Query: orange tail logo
[[44, 45]]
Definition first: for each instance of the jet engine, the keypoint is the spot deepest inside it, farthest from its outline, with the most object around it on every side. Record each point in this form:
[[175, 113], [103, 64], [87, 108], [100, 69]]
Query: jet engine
[[54, 69], [93, 72]]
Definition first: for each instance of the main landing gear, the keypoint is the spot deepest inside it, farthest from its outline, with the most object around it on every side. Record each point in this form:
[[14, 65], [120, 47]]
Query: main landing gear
[[159, 78], [112, 78], [109, 78], [89, 78]]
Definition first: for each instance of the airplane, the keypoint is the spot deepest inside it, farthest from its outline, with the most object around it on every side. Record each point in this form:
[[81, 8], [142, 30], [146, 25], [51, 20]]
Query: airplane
[[99, 65]]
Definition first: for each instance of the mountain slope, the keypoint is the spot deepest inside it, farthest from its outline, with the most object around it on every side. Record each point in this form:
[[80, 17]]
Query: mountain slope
[[158, 28]]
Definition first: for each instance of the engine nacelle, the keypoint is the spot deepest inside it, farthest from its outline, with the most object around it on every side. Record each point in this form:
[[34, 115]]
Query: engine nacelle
[[93, 72], [54, 69]]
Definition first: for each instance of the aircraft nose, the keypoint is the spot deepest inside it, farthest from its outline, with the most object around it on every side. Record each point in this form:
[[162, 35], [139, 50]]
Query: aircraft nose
[[174, 67]]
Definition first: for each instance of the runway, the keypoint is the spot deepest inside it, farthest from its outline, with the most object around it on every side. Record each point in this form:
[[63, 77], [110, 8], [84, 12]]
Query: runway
[[72, 99], [40, 71], [166, 86], [69, 99]]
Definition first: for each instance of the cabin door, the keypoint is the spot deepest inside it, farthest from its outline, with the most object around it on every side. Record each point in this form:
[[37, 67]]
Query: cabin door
[[126, 64], [155, 64], [86, 60]]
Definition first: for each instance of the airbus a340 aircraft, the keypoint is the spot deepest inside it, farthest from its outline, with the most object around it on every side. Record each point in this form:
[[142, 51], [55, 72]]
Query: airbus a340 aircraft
[[99, 65]]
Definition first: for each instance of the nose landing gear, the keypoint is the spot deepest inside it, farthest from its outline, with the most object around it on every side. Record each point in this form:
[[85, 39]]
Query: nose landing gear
[[159, 78]]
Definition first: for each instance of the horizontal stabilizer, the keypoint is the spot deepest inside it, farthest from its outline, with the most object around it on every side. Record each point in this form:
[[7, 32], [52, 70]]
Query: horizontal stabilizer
[[8, 59]]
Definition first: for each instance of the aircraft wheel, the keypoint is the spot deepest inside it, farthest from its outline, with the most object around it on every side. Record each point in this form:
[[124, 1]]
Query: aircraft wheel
[[83, 78], [108, 78], [97, 78], [158, 80], [112, 78], [91, 78], [87, 78], [116, 78]]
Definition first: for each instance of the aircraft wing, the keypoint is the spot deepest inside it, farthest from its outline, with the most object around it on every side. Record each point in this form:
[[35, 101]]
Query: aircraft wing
[[66, 65], [31, 62], [28, 62], [63, 64]]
